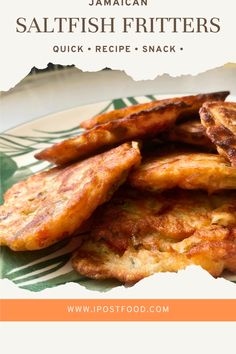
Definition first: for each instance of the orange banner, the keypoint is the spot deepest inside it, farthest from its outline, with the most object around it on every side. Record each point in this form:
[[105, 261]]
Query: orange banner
[[117, 310]]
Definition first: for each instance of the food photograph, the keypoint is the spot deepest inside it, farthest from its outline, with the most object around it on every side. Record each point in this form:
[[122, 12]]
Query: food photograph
[[104, 190]]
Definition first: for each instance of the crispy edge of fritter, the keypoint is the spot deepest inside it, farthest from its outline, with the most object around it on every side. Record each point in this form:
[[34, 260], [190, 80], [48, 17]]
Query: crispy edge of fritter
[[80, 208], [173, 170], [190, 132], [117, 114], [136, 126], [123, 112], [95, 259], [220, 133]]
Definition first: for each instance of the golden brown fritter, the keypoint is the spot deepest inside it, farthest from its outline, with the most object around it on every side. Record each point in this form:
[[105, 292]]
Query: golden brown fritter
[[136, 126], [136, 235], [195, 101], [219, 118], [190, 132], [52, 205], [210, 172], [117, 114]]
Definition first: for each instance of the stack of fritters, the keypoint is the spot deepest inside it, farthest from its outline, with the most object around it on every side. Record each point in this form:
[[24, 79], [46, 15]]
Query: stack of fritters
[[175, 208]]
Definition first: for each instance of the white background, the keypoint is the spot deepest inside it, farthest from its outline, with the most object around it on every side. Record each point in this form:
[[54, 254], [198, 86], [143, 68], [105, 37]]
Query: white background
[[118, 338], [17, 58], [202, 51]]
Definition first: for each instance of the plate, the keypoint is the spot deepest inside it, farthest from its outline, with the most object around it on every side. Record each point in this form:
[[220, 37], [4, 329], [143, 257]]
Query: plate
[[50, 267]]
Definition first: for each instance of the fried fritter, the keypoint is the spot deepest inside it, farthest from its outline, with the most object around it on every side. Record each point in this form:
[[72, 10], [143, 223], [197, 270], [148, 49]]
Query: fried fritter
[[136, 126], [52, 205], [190, 132], [117, 114], [210, 172], [219, 118], [195, 101], [136, 235]]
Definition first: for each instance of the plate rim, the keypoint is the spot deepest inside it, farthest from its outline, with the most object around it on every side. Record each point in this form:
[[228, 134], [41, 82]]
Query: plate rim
[[162, 95]]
